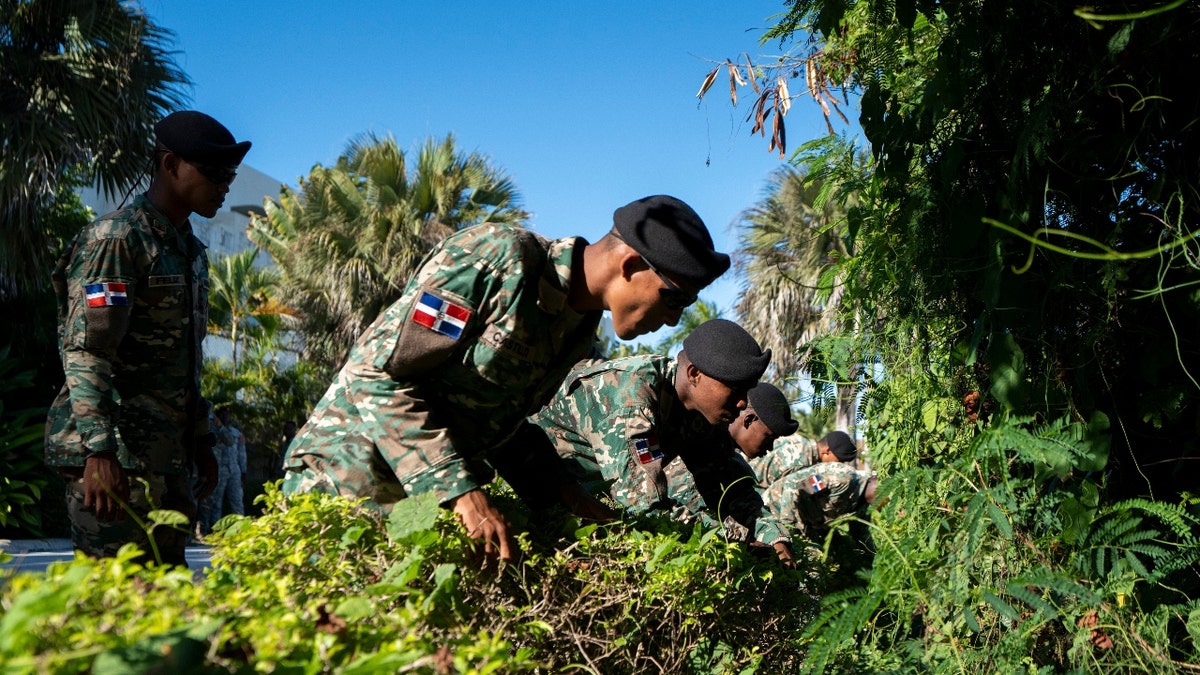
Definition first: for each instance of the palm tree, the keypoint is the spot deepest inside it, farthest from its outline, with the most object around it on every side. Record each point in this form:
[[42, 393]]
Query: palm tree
[[788, 255], [348, 240], [241, 299], [81, 84]]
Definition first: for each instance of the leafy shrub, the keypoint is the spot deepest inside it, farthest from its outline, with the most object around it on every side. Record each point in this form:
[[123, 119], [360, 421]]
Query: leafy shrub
[[24, 476], [318, 584]]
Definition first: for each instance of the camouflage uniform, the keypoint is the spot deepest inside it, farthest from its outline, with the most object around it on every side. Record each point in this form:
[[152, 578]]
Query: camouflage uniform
[[806, 493], [799, 490], [617, 425], [133, 308], [479, 340], [231, 465]]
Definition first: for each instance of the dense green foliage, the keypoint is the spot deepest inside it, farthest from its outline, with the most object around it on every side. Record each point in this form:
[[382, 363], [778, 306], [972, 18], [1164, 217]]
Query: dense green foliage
[[318, 585], [1019, 297], [24, 476]]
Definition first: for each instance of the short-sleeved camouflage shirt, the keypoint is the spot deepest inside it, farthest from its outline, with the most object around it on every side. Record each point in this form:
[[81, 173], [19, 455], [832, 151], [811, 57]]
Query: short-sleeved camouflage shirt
[[480, 338], [132, 311], [618, 424]]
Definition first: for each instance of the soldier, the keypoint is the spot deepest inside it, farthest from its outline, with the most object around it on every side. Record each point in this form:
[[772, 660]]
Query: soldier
[[133, 308], [483, 334], [617, 425], [223, 444], [766, 417], [809, 485], [805, 484], [230, 450]]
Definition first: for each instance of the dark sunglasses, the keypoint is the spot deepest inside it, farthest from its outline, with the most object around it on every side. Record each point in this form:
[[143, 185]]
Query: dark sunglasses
[[672, 296], [217, 175]]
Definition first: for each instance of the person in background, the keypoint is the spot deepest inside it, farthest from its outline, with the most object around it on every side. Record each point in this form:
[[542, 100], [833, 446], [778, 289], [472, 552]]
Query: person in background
[[228, 498], [132, 291], [808, 494], [435, 394], [212, 507]]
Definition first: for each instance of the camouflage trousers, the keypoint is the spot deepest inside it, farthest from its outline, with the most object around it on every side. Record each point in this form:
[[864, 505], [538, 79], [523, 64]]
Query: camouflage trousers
[[101, 539], [225, 500]]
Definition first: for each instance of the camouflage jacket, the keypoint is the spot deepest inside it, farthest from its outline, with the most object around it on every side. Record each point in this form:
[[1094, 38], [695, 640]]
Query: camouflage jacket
[[806, 493], [132, 312], [618, 424], [798, 490], [479, 340]]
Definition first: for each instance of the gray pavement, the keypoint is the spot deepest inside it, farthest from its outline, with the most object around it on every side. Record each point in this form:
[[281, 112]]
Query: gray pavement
[[34, 555]]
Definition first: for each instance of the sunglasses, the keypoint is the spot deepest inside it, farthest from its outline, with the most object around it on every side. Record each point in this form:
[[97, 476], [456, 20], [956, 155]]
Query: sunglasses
[[217, 175], [672, 296]]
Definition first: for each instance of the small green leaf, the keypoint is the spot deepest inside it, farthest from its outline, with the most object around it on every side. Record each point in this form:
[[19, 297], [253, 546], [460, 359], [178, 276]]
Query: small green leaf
[[413, 515]]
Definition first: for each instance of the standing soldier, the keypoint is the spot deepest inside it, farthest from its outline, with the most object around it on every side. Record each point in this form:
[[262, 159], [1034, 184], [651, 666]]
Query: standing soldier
[[618, 424], [234, 465], [212, 507], [483, 334], [133, 308]]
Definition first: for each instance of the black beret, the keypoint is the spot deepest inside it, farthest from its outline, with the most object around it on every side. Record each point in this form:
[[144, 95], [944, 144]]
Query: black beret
[[724, 350], [670, 235], [840, 444], [772, 408], [199, 138]]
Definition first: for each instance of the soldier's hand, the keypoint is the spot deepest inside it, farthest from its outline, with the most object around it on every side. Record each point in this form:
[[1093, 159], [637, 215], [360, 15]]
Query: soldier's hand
[[784, 554], [583, 504], [484, 522], [105, 487], [206, 472]]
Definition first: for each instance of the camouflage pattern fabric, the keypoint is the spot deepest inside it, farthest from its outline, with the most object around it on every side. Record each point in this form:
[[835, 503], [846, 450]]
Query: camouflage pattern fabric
[[787, 455], [618, 424], [814, 496], [132, 311], [102, 539], [479, 340], [798, 490]]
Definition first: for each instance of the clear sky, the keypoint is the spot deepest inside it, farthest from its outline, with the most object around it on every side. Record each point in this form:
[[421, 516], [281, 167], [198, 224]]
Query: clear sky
[[587, 105]]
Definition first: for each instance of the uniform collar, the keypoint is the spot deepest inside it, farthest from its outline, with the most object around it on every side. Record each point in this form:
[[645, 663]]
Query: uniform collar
[[160, 221], [556, 276]]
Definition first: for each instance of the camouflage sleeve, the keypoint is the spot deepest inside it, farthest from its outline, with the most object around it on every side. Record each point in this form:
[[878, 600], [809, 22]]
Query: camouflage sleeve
[[447, 304], [98, 293], [630, 459], [728, 486]]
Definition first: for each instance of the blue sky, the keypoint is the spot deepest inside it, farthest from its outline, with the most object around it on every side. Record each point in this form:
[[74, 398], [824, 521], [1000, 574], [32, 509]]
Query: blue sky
[[586, 105]]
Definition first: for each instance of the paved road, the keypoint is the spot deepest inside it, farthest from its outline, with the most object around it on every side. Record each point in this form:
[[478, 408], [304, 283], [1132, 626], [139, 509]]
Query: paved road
[[33, 555]]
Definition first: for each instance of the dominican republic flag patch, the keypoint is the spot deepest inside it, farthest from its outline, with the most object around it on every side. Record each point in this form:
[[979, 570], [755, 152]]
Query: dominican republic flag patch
[[816, 482], [107, 294], [647, 449], [441, 316]]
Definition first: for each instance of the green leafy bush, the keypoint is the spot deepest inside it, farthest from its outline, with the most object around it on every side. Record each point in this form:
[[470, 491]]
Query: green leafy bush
[[24, 477], [318, 584]]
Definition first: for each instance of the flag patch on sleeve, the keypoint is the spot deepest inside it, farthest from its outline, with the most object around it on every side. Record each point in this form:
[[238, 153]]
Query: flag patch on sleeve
[[106, 294], [816, 482], [647, 449], [441, 316]]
